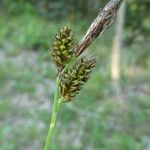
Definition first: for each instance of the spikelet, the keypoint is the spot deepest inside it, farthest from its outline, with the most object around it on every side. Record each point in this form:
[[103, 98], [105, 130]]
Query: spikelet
[[62, 44], [72, 80]]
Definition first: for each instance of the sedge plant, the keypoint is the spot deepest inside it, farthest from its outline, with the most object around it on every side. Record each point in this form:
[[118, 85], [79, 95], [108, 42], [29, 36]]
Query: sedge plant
[[73, 70]]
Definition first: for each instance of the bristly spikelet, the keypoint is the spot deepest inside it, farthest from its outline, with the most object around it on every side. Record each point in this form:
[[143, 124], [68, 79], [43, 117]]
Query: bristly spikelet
[[62, 47], [72, 80]]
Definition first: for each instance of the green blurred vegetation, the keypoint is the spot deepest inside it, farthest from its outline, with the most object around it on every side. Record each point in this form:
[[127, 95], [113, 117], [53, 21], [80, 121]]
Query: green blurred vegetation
[[97, 119]]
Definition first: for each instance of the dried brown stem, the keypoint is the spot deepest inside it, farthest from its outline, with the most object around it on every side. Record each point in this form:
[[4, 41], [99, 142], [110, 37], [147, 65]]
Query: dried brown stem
[[102, 21]]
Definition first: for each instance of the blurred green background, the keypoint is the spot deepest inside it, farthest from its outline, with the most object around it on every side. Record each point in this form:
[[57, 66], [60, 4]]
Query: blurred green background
[[101, 117]]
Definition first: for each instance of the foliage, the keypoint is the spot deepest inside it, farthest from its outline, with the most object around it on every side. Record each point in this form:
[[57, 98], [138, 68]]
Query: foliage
[[137, 11], [27, 31], [138, 17]]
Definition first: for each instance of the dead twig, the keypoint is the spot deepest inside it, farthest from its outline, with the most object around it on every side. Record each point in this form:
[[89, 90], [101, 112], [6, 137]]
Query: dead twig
[[102, 21]]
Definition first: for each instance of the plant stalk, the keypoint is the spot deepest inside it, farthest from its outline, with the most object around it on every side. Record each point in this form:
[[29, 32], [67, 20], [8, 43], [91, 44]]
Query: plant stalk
[[56, 107], [102, 21]]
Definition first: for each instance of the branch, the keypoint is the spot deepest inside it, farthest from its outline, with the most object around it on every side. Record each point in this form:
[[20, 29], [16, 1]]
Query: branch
[[102, 21]]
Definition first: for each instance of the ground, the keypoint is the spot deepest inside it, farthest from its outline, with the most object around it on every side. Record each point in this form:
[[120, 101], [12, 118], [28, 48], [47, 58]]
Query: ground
[[97, 119]]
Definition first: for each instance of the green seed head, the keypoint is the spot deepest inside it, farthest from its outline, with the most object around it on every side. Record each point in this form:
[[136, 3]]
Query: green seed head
[[62, 47], [72, 80]]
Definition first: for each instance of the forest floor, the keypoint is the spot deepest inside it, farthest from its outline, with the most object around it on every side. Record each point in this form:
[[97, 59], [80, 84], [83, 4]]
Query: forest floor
[[101, 119]]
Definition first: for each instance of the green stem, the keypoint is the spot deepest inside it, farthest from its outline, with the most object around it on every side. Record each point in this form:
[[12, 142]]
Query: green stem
[[56, 97], [56, 106], [57, 103]]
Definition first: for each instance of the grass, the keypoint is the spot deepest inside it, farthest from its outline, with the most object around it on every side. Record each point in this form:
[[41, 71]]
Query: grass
[[113, 128], [96, 119]]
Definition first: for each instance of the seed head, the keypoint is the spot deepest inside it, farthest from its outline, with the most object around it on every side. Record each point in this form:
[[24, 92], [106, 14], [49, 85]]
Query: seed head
[[62, 44], [72, 80]]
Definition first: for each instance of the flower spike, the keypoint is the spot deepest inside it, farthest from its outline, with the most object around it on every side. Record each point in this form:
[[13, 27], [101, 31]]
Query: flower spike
[[72, 80], [62, 51]]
